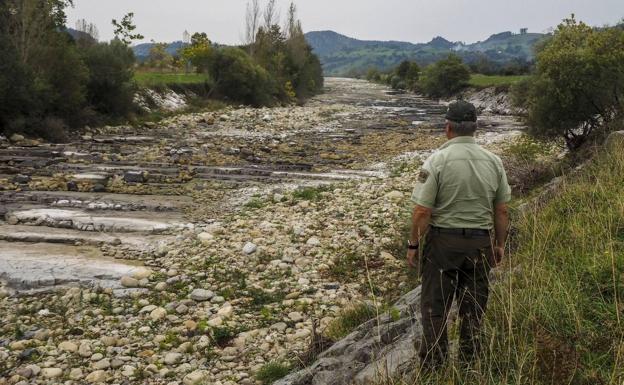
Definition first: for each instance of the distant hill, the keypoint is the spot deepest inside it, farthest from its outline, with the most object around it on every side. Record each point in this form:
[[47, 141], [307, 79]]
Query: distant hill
[[343, 55], [141, 51]]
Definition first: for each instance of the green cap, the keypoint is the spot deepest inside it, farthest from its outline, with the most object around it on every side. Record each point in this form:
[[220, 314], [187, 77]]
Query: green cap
[[461, 111]]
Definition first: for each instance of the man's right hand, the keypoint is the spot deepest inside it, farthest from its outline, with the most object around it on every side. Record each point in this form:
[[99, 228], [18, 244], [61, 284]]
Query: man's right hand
[[412, 258], [499, 254]]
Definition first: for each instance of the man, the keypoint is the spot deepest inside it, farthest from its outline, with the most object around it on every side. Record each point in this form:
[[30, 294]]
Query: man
[[461, 195]]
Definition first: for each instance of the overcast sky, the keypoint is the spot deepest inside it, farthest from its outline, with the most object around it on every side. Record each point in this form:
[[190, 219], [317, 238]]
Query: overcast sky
[[405, 20]]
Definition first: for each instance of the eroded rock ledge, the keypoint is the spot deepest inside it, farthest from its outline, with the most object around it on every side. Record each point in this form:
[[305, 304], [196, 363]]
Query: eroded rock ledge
[[380, 348]]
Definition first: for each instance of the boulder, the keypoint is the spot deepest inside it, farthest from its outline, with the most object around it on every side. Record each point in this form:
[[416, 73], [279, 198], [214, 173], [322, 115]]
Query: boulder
[[380, 348], [615, 141]]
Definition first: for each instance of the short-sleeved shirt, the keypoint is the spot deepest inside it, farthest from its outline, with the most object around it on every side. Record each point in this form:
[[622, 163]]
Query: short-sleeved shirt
[[461, 183]]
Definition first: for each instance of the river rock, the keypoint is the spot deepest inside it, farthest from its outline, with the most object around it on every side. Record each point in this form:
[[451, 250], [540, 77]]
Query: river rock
[[195, 378], [68, 346], [96, 376], [129, 282], [158, 314], [205, 238], [52, 372], [76, 374], [172, 358], [201, 295], [249, 248]]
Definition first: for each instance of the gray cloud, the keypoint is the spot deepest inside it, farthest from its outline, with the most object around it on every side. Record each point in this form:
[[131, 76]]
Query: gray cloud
[[413, 20]]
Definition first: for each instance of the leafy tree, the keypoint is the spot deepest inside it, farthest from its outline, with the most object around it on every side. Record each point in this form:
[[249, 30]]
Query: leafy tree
[[199, 53], [159, 57], [444, 78], [124, 29], [578, 87], [110, 88], [237, 77]]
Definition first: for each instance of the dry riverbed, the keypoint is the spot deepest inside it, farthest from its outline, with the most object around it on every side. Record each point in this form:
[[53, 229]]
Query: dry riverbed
[[198, 249]]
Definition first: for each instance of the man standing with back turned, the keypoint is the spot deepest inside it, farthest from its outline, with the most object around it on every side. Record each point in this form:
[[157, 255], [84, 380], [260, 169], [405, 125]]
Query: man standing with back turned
[[461, 195]]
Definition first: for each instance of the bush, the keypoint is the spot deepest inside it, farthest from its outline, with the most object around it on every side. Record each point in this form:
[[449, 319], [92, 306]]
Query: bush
[[579, 84], [110, 88], [237, 77], [444, 78]]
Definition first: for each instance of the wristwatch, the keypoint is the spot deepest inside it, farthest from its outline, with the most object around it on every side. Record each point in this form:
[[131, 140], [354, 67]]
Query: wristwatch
[[410, 246]]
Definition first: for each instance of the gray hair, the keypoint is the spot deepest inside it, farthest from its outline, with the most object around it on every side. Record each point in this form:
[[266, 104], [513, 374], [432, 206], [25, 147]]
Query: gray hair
[[463, 128]]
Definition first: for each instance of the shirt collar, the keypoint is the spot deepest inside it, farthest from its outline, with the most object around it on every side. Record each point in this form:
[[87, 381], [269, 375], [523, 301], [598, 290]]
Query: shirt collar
[[459, 140]]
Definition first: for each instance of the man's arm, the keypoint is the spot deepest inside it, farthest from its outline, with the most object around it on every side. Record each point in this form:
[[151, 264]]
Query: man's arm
[[420, 224], [501, 228]]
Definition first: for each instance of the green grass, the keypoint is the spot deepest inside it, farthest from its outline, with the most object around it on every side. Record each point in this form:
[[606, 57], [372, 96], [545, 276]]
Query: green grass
[[273, 371], [156, 78], [556, 315], [482, 81], [348, 320]]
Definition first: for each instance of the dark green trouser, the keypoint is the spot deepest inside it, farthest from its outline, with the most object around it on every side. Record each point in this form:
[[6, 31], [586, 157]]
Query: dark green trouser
[[453, 266]]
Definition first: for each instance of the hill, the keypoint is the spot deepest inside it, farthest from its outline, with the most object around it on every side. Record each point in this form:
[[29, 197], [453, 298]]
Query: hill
[[141, 51], [343, 55]]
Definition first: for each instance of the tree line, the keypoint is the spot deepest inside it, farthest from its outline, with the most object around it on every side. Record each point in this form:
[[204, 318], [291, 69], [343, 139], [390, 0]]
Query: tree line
[[53, 81], [574, 91]]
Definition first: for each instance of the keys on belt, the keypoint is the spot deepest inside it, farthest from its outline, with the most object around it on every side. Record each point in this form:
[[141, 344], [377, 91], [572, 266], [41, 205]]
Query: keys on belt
[[468, 232]]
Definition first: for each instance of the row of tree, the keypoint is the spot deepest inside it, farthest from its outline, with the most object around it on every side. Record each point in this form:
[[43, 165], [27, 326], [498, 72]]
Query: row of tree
[[50, 81], [275, 65], [53, 79], [444, 78]]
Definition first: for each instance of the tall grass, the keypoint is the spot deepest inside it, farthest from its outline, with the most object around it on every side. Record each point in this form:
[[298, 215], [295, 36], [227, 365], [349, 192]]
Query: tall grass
[[556, 313], [482, 81]]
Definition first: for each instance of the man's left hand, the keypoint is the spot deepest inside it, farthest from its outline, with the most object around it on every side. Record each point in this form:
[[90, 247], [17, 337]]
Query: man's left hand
[[412, 258]]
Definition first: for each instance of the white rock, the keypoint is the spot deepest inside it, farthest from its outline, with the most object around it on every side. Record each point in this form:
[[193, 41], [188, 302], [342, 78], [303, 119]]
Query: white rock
[[142, 273], [85, 350], [51, 372], [129, 282], [217, 321], [249, 248], [68, 346], [76, 374], [96, 376], [104, 363], [395, 195], [295, 316], [195, 378], [205, 238], [158, 314], [201, 295], [226, 311], [314, 241], [172, 358]]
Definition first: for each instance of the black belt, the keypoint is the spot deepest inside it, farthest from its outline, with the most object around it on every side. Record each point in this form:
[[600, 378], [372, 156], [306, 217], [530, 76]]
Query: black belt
[[470, 232]]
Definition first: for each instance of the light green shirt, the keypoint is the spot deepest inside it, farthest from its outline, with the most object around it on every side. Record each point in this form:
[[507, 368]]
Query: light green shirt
[[462, 182]]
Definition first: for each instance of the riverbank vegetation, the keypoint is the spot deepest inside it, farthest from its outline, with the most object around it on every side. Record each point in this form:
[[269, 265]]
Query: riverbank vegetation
[[57, 80]]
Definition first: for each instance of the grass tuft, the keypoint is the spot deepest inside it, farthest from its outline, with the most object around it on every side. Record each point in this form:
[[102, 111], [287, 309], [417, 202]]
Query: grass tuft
[[273, 371], [348, 320]]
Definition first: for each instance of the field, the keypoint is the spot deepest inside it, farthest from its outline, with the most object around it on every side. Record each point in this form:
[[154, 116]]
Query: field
[[157, 78], [482, 81]]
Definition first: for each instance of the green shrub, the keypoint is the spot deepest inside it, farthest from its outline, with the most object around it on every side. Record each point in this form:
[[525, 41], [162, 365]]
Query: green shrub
[[110, 88], [444, 78], [578, 87], [273, 371]]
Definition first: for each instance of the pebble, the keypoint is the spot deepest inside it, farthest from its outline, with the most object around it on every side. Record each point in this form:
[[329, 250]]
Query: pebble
[[68, 346], [295, 316], [201, 295], [129, 282], [96, 376], [172, 358], [158, 314], [52, 372], [195, 378], [249, 248]]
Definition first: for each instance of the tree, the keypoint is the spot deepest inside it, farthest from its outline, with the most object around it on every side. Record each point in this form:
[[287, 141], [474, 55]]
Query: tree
[[159, 57], [252, 23], [578, 87], [199, 53], [124, 29], [110, 88], [238, 78], [444, 78], [89, 28]]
